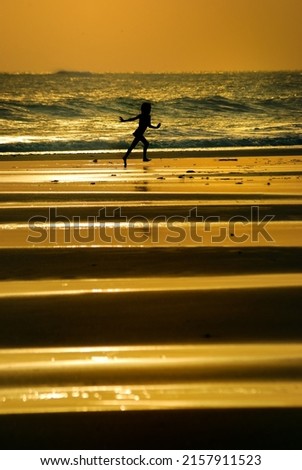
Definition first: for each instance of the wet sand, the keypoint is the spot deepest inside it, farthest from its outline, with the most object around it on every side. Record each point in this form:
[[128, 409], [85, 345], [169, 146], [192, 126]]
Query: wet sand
[[163, 293]]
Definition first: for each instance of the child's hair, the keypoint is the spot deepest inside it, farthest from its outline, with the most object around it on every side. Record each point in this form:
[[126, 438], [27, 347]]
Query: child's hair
[[146, 108]]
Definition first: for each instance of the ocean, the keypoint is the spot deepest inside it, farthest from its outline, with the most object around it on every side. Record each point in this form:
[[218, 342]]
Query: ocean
[[76, 112]]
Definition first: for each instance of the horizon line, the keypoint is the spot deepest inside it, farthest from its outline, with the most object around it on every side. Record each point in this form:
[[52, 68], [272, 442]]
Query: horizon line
[[137, 72]]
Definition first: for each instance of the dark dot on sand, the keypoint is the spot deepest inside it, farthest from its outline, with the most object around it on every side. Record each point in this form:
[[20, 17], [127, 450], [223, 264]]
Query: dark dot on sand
[[113, 175], [160, 178], [228, 159], [231, 235], [92, 183], [141, 188], [190, 171], [239, 182], [268, 183], [181, 176], [55, 181], [95, 160]]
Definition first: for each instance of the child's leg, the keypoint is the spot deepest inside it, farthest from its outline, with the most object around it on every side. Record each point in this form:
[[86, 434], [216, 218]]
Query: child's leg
[[146, 145], [132, 146]]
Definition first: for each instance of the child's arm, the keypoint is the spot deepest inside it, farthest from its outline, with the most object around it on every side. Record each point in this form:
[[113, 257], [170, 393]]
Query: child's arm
[[155, 127], [130, 119]]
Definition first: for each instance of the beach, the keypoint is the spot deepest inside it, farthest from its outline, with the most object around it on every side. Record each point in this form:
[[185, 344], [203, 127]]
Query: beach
[[161, 302]]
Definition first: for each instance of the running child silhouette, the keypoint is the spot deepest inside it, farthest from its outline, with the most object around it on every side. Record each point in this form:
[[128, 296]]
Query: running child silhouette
[[144, 121]]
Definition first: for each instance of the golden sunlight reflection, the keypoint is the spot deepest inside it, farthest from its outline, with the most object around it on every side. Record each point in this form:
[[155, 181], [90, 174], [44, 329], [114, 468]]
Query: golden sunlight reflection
[[189, 283], [152, 376], [160, 234]]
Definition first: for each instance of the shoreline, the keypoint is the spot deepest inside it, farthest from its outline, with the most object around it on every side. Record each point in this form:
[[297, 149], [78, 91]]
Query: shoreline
[[157, 153]]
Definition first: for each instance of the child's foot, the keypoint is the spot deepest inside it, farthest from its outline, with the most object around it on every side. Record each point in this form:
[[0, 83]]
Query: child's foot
[[146, 159], [125, 162]]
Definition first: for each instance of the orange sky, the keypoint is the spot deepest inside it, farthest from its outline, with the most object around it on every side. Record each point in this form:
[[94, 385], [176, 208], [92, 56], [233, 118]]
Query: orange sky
[[150, 36]]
